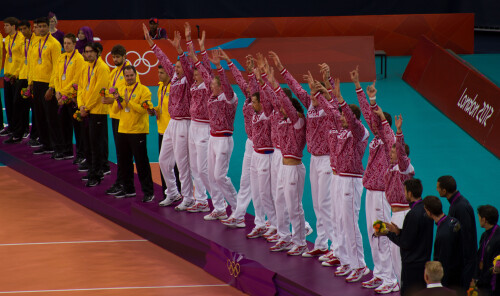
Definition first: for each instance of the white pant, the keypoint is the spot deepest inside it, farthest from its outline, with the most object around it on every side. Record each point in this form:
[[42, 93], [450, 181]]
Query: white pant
[[244, 194], [291, 186], [398, 219], [282, 218], [260, 180], [338, 238], [174, 149], [352, 188], [320, 174], [219, 155], [199, 133], [377, 208]]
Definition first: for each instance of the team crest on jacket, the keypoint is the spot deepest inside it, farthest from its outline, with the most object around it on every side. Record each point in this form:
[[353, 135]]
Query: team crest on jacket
[[376, 142]]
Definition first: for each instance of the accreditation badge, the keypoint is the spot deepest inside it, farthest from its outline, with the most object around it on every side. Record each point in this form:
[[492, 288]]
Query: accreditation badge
[[39, 61], [10, 59]]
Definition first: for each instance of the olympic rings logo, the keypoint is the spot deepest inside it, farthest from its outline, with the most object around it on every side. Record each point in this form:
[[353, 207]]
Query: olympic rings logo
[[233, 267], [137, 62]]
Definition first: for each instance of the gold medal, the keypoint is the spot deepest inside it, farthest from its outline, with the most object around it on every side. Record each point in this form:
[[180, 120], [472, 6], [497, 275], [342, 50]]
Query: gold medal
[[39, 61], [10, 59], [63, 77]]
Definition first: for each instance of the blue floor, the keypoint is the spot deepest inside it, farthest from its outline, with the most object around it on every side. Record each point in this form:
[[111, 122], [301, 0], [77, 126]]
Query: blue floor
[[438, 146]]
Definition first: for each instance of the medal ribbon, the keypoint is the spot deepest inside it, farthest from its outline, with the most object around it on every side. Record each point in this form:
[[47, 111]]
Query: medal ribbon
[[66, 64], [40, 50], [11, 44], [118, 73], [129, 97], [415, 203], [89, 74], [26, 48], [440, 220]]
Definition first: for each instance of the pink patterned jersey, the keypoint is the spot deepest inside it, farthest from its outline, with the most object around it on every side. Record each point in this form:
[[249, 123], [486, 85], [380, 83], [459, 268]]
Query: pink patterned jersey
[[221, 108], [318, 124], [261, 123], [199, 92], [179, 99], [351, 145], [247, 89], [379, 151], [292, 130], [397, 174], [333, 114]]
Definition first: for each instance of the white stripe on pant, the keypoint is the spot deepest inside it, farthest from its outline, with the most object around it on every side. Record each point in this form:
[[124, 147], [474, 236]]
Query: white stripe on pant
[[260, 181], [352, 188], [398, 219], [244, 194], [282, 218], [291, 186], [174, 149], [377, 208], [320, 174], [219, 155], [199, 133]]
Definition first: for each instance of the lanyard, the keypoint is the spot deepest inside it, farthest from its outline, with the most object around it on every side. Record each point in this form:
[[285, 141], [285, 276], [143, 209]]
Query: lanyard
[[487, 241], [26, 48], [89, 74], [454, 198], [41, 49], [163, 94], [415, 203], [66, 62], [118, 73], [441, 220], [129, 97], [11, 44]]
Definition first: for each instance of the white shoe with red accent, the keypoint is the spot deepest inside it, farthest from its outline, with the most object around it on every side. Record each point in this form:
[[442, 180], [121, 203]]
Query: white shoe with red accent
[[257, 232], [327, 257], [315, 253], [357, 274], [273, 239], [372, 284], [170, 200], [281, 246], [330, 263], [297, 250], [184, 205], [343, 270], [270, 232], [387, 288], [216, 215], [233, 222], [199, 207]]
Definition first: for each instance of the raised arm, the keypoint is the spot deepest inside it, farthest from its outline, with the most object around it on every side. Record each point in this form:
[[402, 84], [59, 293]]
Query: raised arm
[[291, 81], [403, 159], [164, 61], [286, 103], [363, 103], [384, 129]]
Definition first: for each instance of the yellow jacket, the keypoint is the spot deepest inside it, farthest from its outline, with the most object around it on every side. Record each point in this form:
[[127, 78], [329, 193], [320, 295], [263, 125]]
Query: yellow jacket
[[12, 64], [74, 69], [136, 120], [23, 74], [32, 57], [50, 54], [1, 51], [117, 80], [99, 78], [162, 109]]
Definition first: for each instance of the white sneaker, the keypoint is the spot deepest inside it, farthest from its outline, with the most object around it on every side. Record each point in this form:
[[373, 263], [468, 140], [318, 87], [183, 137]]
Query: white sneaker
[[170, 200], [184, 205], [387, 288], [216, 216], [327, 257], [357, 274], [199, 207], [309, 229]]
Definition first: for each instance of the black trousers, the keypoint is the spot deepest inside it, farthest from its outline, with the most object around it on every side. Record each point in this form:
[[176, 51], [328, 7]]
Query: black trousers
[[39, 89], [78, 129], [133, 146], [9, 90], [412, 278], [66, 119], [96, 135], [176, 171], [21, 115], [114, 127], [34, 125]]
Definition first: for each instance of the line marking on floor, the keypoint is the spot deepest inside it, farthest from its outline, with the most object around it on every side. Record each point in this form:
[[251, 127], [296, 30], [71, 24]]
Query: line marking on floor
[[115, 288], [76, 242]]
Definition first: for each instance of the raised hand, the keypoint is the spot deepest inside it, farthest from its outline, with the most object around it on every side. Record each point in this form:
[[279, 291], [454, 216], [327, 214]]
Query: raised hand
[[276, 60], [260, 61], [371, 90], [147, 36], [336, 91], [319, 87], [324, 69], [224, 56], [380, 113], [201, 41], [187, 31], [176, 42], [215, 59], [250, 63], [398, 122], [309, 79], [355, 75], [192, 56]]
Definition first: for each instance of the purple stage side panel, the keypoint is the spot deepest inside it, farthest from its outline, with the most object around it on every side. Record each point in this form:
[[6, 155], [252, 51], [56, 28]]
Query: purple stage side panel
[[226, 253]]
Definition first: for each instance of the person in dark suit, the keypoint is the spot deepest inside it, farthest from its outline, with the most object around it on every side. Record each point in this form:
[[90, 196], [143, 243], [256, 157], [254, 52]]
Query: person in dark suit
[[432, 275]]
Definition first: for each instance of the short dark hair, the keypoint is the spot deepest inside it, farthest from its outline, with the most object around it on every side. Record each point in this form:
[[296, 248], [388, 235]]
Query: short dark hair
[[42, 20], [407, 148], [11, 21], [257, 95], [433, 205], [388, 118], [99, 47], [71, 37], [160, 66], [93, 45], [488, 212], [119, 50], [24, 23], [288, 92], [296, 104], [447, 183], [129, 67], [355, 109], [414, 186]]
